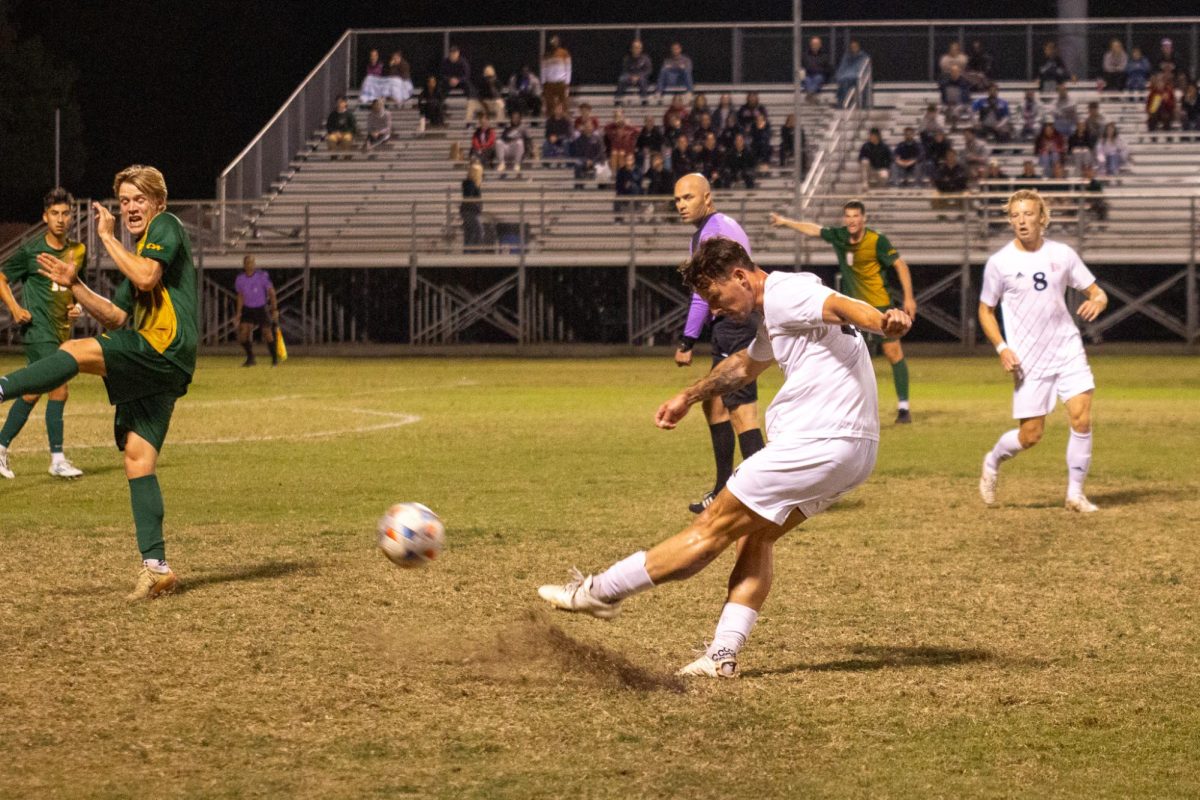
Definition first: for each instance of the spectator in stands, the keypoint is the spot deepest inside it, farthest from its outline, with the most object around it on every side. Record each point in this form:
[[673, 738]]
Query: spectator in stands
[[589, 152], [816, 67], [488, 98], [1031, 115], [1160, 103], [738, 163], [729, 132], [483, 141], [672, 128], [1096, 208], [699, 106], [628, 183], [953, 57], [1065, 112], [379, 125], [399, 78], [1053, 71], [704, 126], [471, 209], [620, 138], [929, 124], [660, 182], [935, 153], [723, 111], [707, 159], [906, 160], [681, 158], [635, 72], [524, 92], [650, 140], [996, 187], [1029, 177], [996, 173], [432, 104], [980, 71], [1166, 56], [749, 110], [1111, 151], [787, 143], [874, 159], [950, 178], [585, 116], [1137, 71], [975, 155], [340, 127], [456, 73], [1189, 109], [374, 65], [556, 73], [1095, 120], [1080, 146], [854, 60], [559, 133], [512, 144], [675, 74], [373, 83], [1114, 64], [679, 110], [760, 139], [992, 115], [1049, 147], [956, 95]]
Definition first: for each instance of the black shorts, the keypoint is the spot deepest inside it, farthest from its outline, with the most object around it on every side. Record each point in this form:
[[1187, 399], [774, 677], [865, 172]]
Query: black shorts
[[255, 316], [729, 337]]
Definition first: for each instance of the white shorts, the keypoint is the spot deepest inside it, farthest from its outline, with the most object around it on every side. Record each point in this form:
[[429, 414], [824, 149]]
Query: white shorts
[[1035, 397], [808, 474]]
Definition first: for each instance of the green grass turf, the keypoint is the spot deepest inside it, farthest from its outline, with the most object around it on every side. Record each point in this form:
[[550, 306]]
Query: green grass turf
[[915, 644]]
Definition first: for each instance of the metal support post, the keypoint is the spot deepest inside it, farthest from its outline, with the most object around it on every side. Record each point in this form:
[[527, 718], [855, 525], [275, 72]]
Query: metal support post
[[304, 321], [1193, 313], [522, 321]]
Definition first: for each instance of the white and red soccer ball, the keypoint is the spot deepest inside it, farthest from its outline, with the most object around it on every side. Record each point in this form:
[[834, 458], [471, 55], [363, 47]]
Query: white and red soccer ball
[[411, 535]]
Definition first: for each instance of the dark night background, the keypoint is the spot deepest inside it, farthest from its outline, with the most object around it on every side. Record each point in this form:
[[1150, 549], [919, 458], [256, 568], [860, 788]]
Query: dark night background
[[185, 85]]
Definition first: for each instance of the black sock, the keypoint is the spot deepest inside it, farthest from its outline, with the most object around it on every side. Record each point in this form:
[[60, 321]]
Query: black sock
[[722, 442], [750, 442], [249, 351], [270, 349]]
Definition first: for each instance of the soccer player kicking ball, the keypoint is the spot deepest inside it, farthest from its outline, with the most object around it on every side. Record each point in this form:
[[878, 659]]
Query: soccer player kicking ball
[[145, 367], [45, 324], [823, 431], [1044, 351]]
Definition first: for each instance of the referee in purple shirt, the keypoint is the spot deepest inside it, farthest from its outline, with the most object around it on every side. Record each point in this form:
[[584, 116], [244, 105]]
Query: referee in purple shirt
[[736, 412], [254, 292]]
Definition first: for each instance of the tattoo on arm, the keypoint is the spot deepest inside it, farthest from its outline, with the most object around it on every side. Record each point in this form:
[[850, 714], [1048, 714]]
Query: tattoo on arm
[[727, 376]]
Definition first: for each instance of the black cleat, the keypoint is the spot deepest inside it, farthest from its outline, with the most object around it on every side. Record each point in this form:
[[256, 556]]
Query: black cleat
[[903, 417], [704, 503]]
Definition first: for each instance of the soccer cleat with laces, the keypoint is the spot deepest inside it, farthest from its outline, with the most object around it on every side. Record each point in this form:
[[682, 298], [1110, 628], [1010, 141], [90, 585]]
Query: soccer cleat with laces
[[65, 469], [703, 503], [576, 595], [5, 472], [1081, 504], [151, 584], [723, 666], [987, 484]]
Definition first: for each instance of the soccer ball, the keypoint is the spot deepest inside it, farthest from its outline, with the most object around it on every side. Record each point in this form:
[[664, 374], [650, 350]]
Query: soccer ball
[[410, 534]]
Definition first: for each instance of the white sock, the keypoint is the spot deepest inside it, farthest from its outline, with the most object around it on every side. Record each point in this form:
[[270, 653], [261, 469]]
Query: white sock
[[156, 565], [1007, 446], [1079, 459], [902, 405], [732, 630], [57, 458], [624, 578]]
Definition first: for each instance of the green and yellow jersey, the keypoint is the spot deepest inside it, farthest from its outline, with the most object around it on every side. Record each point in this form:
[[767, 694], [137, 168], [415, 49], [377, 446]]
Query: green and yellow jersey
[[46, 301], [862, 264], [165, 316]]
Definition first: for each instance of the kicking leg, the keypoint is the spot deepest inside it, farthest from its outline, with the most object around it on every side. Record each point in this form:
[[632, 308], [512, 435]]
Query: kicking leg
[[1008, 445]]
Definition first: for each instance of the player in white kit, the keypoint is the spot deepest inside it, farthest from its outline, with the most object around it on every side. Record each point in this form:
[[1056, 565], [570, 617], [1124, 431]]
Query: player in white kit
[[1043, 350], [823, 427]]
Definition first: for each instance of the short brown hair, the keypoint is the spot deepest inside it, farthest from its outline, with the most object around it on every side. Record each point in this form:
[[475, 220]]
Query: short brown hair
[[855, 204], [147, 179], [714, 260], [57, 196]]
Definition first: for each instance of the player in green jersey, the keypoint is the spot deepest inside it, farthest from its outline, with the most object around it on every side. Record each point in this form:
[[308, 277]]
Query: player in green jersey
[[863, 255], [145, 366], [45, 322]]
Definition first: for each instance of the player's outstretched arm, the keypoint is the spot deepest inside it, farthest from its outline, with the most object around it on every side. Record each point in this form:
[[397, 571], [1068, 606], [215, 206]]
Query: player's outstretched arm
[[1097, 301], [905, 276], [732, 373], [20, 315], [807, 228], [65, 274], [991, 329], [842, 310], [143, 273]]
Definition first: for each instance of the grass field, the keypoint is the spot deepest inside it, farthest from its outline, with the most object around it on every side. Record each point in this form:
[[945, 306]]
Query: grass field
[[916, 644]]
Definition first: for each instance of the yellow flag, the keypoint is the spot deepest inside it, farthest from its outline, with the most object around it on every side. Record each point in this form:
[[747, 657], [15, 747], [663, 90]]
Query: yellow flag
[[280, 345]]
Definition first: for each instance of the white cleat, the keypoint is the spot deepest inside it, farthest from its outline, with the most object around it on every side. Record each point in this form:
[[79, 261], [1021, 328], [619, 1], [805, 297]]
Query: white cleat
[[1081, 504], [987, 484], [5, 472], [65, 469], [723, 666], [577, 596]]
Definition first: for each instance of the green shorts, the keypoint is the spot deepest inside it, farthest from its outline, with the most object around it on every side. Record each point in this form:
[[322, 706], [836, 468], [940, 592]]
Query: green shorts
[[874, 340], [36, 351], [142, 385]]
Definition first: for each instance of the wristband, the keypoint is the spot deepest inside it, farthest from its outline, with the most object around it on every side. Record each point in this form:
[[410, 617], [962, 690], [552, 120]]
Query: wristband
[[686, 344], [1000, 348]]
